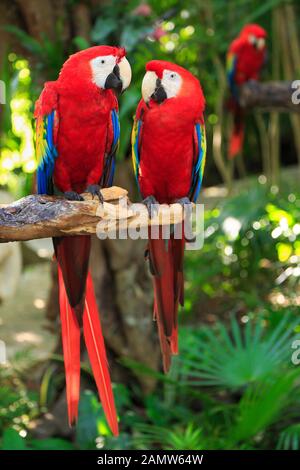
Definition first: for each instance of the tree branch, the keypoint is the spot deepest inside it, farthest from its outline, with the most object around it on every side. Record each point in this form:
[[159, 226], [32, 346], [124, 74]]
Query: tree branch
[[40, 216], [268, 96]]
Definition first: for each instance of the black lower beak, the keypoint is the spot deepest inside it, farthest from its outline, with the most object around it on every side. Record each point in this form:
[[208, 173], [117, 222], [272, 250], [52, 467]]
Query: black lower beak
[[113, 81], [159, 94]]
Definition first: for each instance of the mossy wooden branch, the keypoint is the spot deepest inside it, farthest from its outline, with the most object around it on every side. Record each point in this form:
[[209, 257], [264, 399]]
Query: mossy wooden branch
[[39, 216], [268, 96]]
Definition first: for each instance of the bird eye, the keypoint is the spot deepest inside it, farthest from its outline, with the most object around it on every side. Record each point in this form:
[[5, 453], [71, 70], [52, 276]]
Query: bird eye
[[173, 75], [102, 61]]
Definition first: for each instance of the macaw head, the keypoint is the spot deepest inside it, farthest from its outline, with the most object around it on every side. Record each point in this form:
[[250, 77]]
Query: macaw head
[[105, 67], [254, 35], [165, 82]]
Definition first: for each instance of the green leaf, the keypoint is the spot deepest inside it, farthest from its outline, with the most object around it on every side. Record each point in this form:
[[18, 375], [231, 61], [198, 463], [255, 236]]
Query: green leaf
[[289, 438], [51, 444], [130, 37], [81, 43], [102, 29], [91, 421], [261, 405], [238, 357]]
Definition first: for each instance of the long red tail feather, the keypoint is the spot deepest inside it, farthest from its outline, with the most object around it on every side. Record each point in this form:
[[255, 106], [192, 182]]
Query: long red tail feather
[[97, 355], [167, 261], [71, 349], [237, 137]]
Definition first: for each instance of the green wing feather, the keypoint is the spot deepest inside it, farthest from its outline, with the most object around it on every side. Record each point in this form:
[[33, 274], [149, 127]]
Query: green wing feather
[[135, 142], [46, 152]]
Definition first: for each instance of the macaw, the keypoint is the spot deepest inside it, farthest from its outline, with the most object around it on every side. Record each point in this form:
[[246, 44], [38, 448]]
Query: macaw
[[77, 134], [168, 153], [245, 59]]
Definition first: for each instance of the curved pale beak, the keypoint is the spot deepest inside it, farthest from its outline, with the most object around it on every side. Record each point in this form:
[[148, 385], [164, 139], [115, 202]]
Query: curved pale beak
[[152, 88], [261, 42], [148, 85], [125, 73], [119, 79]]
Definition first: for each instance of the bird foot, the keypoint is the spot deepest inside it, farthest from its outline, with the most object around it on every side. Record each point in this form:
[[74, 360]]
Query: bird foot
[[73, 196], [95, 190], [152, 206], [183, 201]]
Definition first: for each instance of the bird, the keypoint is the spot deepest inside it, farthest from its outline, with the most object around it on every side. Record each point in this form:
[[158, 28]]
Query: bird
[[245, 59], [168, 155], [77, 135]]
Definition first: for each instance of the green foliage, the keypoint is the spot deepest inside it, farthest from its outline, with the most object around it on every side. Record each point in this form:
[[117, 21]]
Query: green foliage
[[261, 405], [236, 358], [234, 387], [250, 238], [18, 405], [11, 440], [179, 438], [91, 421], [289, 438], [50, 55]]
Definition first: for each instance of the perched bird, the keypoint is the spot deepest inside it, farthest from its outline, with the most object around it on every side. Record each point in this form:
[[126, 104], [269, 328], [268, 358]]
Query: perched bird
[[77, 133], [168, 151], [245, 59]]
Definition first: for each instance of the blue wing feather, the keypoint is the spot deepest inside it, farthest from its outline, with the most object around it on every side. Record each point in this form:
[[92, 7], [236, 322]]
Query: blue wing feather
[[46, 153], [198, 168], [110, 161], [231, 69], [199, 162]]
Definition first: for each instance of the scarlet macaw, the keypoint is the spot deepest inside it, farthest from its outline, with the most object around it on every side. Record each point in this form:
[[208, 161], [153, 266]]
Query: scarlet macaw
[[77, 133], [245, 59], [168, 152]]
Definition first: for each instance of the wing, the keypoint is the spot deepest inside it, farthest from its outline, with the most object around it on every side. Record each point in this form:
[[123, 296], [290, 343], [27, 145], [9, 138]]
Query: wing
[[199, 161], [110, 159], [231, 61], [46, 152], [46, 130], [135, 143]]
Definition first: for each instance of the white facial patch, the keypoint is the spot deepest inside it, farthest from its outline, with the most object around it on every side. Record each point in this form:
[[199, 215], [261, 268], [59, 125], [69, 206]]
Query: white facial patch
[[252, 39], [101, 67], [148, 85], [171, 81], [125, 72]]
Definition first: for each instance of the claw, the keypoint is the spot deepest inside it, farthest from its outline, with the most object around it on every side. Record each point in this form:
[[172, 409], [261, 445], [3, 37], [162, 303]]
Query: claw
[[73, 196], [186, 205], [95, 190], [152, 206], [183, 201]]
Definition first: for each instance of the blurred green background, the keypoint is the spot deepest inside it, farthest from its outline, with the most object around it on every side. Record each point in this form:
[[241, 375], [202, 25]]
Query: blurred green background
[[234, 385]]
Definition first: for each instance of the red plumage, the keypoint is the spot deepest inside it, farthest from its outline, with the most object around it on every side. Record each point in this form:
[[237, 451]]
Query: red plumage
[[96, 350], [83, 137], [245, 59], [166, 158], [71, 348]]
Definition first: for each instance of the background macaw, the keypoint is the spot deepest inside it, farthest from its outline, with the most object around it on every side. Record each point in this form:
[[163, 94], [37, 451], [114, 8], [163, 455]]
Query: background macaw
[[77, 132], [245, 59], [168, 150]]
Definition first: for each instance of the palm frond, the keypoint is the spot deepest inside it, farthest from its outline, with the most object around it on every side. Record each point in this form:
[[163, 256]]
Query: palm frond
[[236, 358]]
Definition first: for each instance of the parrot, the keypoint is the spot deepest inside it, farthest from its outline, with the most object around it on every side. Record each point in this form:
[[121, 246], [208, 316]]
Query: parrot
[[77, 135], [168, 155], [245, 59]]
